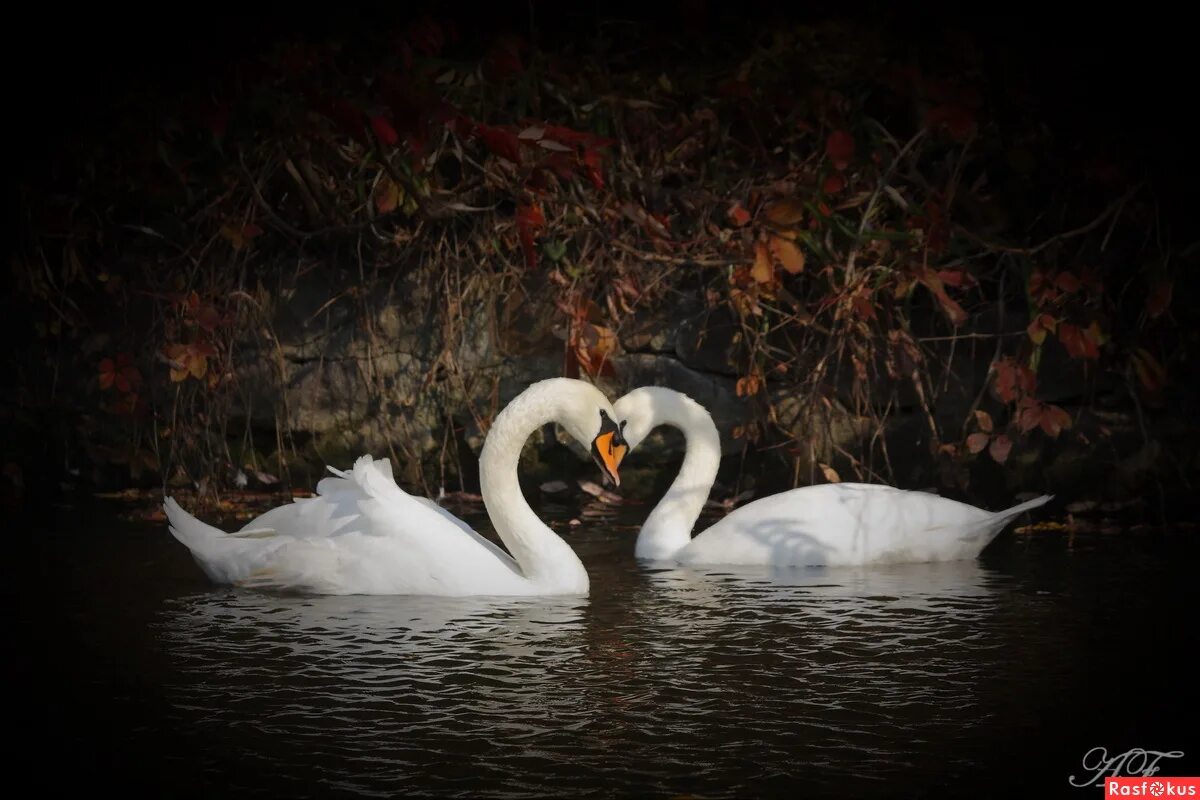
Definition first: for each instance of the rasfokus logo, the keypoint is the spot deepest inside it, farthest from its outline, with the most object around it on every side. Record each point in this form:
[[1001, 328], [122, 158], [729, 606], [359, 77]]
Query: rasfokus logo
[[1151, 787], [1135, 763]]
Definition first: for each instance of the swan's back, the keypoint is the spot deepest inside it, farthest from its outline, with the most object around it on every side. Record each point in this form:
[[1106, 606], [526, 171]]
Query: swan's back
[[849, 524]]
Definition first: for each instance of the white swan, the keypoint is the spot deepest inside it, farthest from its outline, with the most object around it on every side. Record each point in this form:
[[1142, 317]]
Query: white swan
[[362, 534], [839, 524]]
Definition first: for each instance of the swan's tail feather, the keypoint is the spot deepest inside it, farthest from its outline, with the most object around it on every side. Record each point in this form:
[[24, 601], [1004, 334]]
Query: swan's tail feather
[[995, 523], [1017, 510], [224, 558], [197, 535]]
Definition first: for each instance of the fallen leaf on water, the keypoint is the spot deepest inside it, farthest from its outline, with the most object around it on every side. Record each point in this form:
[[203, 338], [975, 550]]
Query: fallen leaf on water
[[599, 492]]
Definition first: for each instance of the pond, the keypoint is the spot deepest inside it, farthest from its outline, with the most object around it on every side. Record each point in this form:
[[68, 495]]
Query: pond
[[986, 676]]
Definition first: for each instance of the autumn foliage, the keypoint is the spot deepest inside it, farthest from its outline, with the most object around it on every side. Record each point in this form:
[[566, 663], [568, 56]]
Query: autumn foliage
[[857, 230]]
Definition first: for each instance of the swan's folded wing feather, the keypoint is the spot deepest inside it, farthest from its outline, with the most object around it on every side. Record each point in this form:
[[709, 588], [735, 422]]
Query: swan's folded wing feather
[[418, 520]]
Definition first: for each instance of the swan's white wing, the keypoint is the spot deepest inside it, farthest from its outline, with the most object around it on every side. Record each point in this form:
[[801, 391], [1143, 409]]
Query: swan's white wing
[[363, 534], [847, 524]]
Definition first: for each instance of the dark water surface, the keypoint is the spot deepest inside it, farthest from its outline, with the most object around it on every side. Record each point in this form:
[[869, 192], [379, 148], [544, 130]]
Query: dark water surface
[[131, 672]]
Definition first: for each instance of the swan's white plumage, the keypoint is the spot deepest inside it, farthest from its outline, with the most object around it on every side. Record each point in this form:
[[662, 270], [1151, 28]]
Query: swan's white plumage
[[842, 524], [363, 534]]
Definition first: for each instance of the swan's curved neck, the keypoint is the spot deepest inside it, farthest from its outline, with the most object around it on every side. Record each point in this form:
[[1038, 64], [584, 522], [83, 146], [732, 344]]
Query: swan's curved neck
[[668, 529], [544, 558]]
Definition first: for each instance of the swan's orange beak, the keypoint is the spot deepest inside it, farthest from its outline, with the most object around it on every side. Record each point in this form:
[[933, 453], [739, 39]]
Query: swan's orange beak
[[608, 454], [609, 449]]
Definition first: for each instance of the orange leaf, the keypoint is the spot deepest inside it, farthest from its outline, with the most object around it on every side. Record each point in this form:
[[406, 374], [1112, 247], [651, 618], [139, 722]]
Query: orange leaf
[[1038, 328], [840, 149], [1054, 420], [1001, 446], [830, 473], [977, 441], [387, 195], [984, 420], [788, 254], [1030, 416], [1150, 372], [785, 213], [748, 385], [762, 271], [953, 310]]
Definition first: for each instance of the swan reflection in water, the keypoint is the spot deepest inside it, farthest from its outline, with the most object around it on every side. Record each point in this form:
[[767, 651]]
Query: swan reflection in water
[[834, 672]]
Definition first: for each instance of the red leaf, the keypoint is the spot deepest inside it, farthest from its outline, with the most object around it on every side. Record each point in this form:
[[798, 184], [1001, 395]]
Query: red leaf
[[592, 160], [977, 441], [217, 119], [1026, 380], [1077, 344], [208, 318], [834, 183], [1013, 380], [426, 36], [862, 305], [348, 118], [739, 215], [1001, 446], [1067, 282], [384, 130], [500, 142], [1030, 415], [107, 373], [1159, 299], [563, 165], [840, 149], [530, 219], [958, 120], [503, 59], [734, 90], [1151, 374], [956, 278], [984, 420]]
